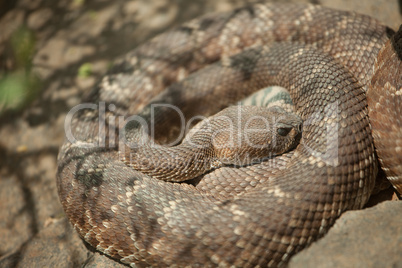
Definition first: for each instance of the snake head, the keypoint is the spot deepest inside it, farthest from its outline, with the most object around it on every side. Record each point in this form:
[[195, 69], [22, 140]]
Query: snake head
[[249, 134]]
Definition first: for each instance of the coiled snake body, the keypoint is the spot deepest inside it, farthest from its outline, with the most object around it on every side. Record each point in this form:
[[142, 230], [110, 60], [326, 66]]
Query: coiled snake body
[[322, 56]]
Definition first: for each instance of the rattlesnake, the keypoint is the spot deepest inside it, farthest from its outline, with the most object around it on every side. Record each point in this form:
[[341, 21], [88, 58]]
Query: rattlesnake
[[322, 56]]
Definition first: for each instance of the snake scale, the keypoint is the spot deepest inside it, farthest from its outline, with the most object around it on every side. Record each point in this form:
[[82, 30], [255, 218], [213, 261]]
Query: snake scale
[[323, 57]]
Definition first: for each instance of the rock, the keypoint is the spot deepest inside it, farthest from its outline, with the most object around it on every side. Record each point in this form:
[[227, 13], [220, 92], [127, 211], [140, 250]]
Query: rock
[[57, 245], [366, 238]]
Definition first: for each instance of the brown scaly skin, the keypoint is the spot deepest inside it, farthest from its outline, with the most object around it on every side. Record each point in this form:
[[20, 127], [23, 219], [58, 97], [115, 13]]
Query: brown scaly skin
[[385, 108], [325, 60]]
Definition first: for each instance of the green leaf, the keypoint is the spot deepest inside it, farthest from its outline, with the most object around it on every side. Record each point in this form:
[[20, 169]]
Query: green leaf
[[85, 70], [18, 89]]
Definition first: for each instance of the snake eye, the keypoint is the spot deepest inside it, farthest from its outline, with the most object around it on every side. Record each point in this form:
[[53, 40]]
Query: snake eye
[[283, 131]]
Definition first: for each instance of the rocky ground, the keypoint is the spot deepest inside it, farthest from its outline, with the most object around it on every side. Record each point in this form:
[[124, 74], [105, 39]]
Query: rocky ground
[[66, 47]]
